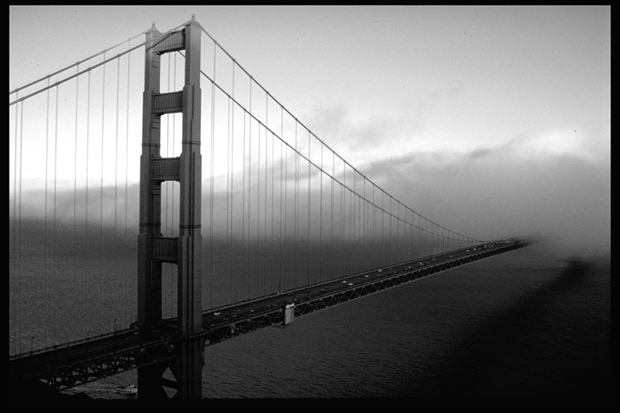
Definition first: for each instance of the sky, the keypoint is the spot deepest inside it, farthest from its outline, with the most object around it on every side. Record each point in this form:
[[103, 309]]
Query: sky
[[492, 121]]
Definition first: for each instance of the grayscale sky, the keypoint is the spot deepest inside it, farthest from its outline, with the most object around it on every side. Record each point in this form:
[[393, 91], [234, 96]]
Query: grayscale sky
[[482, 118]]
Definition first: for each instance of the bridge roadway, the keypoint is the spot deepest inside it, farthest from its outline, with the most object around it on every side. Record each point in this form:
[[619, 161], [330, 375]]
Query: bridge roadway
[[76, 363]]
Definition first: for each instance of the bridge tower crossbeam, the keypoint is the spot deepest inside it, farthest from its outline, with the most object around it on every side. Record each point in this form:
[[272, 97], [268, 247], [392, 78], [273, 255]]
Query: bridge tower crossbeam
[[184, 250]]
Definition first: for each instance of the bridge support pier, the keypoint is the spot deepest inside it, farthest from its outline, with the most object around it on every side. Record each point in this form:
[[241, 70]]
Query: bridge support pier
[[150, 382], [153, 247]]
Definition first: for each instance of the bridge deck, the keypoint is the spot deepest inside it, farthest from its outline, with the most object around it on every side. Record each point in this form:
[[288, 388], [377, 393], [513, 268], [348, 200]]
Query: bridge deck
[[90, 360]]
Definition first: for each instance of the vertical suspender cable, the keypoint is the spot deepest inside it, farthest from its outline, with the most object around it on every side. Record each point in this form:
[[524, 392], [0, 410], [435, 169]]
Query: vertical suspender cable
[[252, 249], [266, 256], [353, 213], [363, 244], [296, 207], [212, 180], [13, 249], [101, 190], [45, 303], [374, 228], [412, 243], [54, 256], [19, 217], [309, 211], [267, 251], [243, 245], [321, 218], [87, 277], [398, 244], [286, 243], [346, 218], [407, 233], [390, 245], [75, 162], [263, 213], [127, 181], [420, 237], [272, 255], [16, 276], [282, 182], [118, 84], [414, 235], [17, 221], [227, 238], [231, 174], [342, 215], [385, 249], [352, 207], [333, 205], [232, 170], [258, 244]]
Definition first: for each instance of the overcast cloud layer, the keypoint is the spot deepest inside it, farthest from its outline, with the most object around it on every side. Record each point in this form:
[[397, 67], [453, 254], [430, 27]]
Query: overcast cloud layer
[[490, 121]]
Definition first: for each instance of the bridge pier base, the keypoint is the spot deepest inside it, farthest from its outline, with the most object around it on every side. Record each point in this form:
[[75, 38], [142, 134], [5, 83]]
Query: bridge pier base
[[150, 386]]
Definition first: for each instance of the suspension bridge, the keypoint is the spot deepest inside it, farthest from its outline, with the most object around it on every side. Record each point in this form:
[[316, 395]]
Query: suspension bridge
[[230, 216]]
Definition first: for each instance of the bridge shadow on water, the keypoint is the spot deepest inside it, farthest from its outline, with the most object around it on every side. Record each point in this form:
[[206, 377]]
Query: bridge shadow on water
[[551, 346]]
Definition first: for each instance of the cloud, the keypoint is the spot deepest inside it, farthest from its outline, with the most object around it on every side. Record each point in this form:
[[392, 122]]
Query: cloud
[[353, 138], [559, 142], [549, 186]]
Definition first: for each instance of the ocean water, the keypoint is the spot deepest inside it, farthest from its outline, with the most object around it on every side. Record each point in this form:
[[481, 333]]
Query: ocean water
[[525, 324]]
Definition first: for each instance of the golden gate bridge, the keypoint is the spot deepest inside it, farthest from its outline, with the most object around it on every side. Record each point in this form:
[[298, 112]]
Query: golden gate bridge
[[236, 218]]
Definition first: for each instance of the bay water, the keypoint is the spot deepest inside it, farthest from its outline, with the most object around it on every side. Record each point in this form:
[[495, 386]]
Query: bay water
[[525, 324]]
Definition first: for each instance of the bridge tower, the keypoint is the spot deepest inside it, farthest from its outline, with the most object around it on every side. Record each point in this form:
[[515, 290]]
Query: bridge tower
[[184, 250]]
